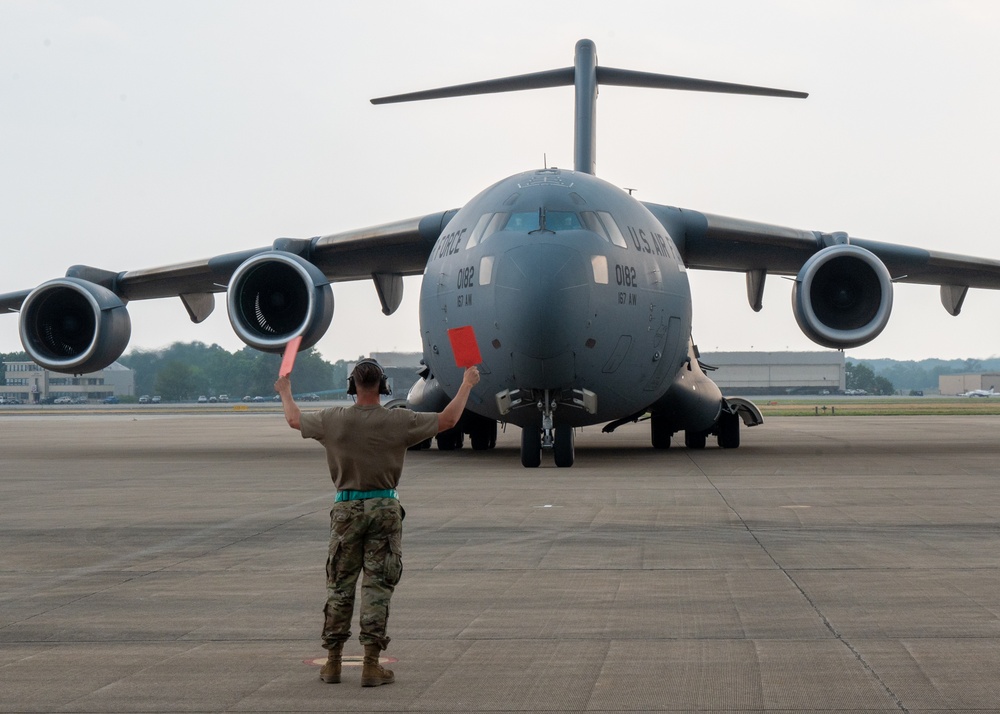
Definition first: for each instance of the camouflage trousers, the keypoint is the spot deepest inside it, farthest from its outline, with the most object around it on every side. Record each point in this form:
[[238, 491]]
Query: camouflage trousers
[[365, 536]]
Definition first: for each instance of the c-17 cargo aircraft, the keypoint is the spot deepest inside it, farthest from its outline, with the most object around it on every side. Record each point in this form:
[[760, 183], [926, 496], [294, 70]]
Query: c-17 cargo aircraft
[[576, 292]]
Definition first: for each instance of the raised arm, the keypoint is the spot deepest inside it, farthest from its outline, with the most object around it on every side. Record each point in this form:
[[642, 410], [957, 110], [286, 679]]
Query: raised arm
[[449, 416], [292, 413]]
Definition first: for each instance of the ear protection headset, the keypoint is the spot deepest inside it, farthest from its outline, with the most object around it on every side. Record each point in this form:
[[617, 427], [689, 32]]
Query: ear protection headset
[[383, 382]]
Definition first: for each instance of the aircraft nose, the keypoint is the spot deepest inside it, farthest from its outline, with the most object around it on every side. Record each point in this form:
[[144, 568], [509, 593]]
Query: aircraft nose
[[542, 306]]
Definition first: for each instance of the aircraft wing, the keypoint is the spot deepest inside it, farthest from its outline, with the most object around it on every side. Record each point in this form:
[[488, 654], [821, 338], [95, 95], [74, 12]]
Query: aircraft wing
[[391, 249], [711, 242]]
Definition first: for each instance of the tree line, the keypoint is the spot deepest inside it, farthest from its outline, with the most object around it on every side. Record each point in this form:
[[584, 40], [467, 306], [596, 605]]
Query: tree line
[[186, 370]]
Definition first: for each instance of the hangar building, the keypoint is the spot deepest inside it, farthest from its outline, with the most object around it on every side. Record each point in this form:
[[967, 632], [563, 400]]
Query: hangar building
[[777, 372], [949, 384]]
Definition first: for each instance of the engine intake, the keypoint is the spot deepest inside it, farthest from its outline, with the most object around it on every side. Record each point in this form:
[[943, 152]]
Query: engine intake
[[275, 296], [842, 297], [74, 326]]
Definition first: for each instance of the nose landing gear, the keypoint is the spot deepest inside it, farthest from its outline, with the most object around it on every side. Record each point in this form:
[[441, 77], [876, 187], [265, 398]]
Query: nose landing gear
[[559, 438]]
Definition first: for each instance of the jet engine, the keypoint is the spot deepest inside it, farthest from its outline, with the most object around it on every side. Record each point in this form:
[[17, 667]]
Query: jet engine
[[275, 296], [842, 297], [74, 326]]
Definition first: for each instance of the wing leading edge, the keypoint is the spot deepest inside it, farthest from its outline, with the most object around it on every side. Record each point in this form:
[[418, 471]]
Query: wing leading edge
[[711, 242], [398, 248]]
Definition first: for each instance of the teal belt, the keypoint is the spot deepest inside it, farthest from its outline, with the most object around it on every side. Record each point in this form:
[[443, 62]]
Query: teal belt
[[361, 495]]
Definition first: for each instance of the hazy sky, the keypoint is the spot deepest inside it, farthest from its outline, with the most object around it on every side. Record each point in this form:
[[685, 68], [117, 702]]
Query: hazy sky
[[135, 134]]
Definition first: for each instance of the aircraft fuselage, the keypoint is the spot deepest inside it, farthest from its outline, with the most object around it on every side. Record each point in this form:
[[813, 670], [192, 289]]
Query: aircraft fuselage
[[573, 289]]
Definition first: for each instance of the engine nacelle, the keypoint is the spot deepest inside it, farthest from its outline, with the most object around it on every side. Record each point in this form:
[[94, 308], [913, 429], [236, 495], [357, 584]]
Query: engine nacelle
[[276, 296], [74, 326], [842, 297]]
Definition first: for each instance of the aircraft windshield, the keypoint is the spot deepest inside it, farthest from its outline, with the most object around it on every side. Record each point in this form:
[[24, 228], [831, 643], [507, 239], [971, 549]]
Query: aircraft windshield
[[554, 221], [599, 222]]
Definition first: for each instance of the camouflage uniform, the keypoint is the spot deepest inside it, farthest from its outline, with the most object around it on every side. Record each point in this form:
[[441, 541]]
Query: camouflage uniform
[[365, 447], [364, 535]]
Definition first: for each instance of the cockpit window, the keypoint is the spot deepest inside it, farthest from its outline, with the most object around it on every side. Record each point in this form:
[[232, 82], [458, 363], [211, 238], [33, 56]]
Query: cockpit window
[[526, 222], [486, 226], [555, 221], [603, 224]]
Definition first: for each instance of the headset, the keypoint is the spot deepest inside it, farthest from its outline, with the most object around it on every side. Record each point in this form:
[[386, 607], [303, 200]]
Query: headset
[[383, 382]]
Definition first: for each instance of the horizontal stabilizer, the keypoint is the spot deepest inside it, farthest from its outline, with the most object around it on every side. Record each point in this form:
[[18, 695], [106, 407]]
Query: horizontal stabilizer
[[631, 78], [535, 80], [605, 75]]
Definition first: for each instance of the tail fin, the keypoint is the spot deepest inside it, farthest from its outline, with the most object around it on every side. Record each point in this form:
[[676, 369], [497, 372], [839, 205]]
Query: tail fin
[[586, 75]]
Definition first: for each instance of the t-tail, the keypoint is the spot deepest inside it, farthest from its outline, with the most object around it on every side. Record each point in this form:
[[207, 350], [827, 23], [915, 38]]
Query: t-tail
[[586, 75]]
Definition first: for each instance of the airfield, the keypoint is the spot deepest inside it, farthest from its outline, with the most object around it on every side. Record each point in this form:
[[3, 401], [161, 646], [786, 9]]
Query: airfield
[[155, 561]]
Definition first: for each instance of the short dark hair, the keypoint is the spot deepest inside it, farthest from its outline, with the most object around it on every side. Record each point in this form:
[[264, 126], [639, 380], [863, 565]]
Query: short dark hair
[[368, 374]]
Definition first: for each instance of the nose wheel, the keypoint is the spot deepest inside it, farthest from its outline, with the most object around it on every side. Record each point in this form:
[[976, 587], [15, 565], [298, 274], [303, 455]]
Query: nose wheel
[[559, 437]]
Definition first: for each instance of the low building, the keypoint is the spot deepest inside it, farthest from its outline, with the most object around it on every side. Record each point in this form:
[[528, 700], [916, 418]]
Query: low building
[[32, 384], [777, 372], [950, 384], [400, 368]]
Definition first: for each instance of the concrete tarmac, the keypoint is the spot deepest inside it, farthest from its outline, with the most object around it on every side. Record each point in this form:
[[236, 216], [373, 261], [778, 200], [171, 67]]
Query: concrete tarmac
[[157, 563]]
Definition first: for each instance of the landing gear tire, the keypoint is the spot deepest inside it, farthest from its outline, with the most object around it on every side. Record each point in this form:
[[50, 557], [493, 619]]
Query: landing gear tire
[[695, 439], [729, 431], [659, 430], [564, 449], [483, 435], [531, 447], [450, 440]]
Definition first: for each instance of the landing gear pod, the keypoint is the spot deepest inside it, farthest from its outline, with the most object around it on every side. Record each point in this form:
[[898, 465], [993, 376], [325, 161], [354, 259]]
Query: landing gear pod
[[842, 297], [74, 326], [276, 296]]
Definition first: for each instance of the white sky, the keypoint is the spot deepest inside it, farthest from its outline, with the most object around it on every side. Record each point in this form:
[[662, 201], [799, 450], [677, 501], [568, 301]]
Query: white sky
[[135, 134]]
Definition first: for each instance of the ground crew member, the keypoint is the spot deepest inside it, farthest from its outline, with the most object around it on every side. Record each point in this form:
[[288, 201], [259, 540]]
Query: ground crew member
[[365, 445]]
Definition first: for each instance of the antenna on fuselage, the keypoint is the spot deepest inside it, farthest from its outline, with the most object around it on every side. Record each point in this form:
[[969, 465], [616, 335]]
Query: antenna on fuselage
[[585, 75]]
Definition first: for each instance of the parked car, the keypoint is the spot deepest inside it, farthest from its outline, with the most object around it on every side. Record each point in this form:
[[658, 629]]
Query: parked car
[[111, 400], [63, 400], [203, 399], [144, 399], [310, 397], [223, 397], [258, 399], [248, 398], [156, 399]]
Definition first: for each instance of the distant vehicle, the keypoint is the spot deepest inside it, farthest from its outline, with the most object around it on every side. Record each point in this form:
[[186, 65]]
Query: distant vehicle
[[310, 397], [156, 399], [981, 393], [258, 399], [111, 400], [213, 400], [203, 399], [63, 400], [223, 397], [79, 400], [10, 400], [248, 398], [144, 399]]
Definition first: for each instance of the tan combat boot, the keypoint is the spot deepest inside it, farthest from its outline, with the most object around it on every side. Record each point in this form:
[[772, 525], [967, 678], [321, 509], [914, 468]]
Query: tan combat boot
[[331, 670], [372, 673]]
